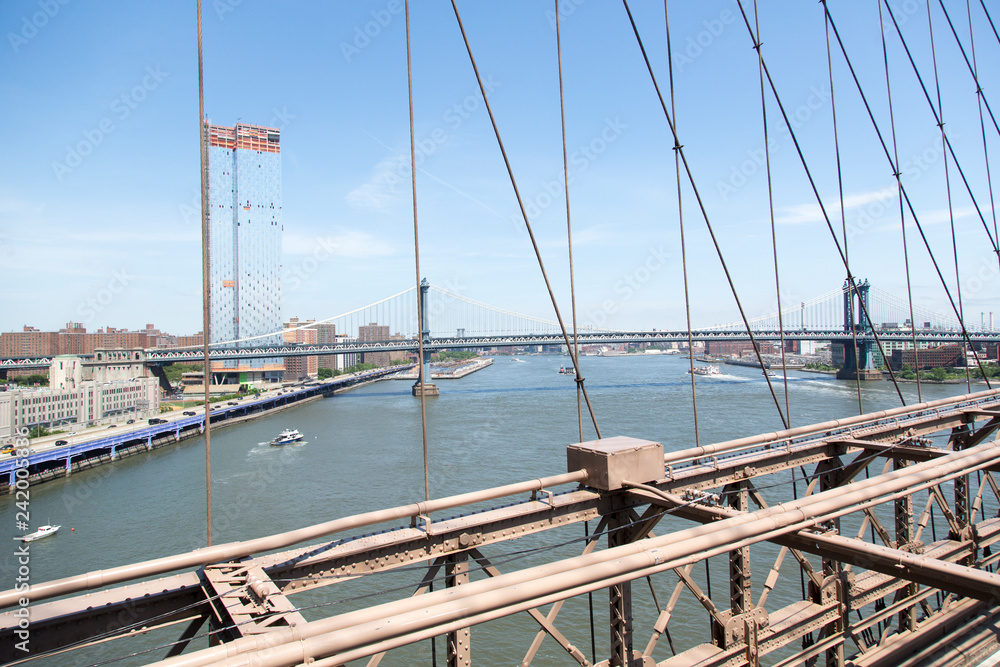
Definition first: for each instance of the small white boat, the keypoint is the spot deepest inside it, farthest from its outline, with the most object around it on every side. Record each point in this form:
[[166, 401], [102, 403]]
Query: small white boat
[[706, 370], [43, 531], [567, 370], [287, 436]]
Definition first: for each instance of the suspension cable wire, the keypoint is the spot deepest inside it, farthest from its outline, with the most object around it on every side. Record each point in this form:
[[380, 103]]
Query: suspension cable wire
[[819, 199], [416, 259], [973, 70], [902, 211], [524, 215], [937, 120], [680, 224], [947, 185], [770, 208], [909, 203], [569, 228], [206, 369], [851, 287], [982, 121], [990, 19], [679, 149]]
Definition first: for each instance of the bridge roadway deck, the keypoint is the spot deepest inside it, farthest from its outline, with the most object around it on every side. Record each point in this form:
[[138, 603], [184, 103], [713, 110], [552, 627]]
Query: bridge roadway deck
[[178, 427], [170, 356]]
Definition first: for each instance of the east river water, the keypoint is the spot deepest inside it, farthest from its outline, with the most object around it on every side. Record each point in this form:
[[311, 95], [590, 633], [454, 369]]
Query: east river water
[[363, 451]]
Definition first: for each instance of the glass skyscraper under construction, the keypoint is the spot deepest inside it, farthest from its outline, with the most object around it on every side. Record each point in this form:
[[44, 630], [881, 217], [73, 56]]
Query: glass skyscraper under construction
[[244, 195]]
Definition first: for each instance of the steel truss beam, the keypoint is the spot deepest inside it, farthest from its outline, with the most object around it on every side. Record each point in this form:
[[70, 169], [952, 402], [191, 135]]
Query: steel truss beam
[[248, 593]]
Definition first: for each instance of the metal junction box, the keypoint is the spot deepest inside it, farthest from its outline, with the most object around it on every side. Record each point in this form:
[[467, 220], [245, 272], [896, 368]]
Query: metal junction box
[[610, 461]]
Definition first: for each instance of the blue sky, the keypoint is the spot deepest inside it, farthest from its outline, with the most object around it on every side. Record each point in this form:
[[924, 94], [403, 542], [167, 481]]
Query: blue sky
[[99, 204]]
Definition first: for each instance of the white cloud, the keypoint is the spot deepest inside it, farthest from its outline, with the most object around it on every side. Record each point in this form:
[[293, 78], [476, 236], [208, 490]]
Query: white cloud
[[803, 213], [342, 244], [388, 180]]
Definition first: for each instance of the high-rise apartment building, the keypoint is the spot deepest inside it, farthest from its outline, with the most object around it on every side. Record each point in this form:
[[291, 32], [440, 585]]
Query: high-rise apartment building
[[302, 332], [244, 195], [374, 333]]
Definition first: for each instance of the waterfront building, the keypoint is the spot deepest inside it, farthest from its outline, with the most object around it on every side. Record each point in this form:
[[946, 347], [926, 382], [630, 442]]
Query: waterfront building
[[72, 399], [245, 226], [372, 333], [326, 334], [297, 368]]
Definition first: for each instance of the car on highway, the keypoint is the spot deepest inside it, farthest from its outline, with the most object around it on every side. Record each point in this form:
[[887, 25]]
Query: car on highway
[[7, 450], [130, 421], [113, 426], [60, 443], [189, 413]]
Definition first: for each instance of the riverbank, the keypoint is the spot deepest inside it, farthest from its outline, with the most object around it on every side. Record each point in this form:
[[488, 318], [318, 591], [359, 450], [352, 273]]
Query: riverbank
[[449, 370], [48, 461]]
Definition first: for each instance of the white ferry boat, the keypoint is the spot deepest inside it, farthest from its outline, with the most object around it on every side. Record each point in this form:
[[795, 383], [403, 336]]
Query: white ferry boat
[[706, 370], [287, 436]]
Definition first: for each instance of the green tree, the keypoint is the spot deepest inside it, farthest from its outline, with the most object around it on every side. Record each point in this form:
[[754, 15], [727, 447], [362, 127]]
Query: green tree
[[325, 373]]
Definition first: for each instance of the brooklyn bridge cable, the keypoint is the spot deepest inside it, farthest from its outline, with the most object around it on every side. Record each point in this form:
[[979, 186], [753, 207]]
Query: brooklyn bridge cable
[[680, 225], [902, 212], [421, 380], [906, 196], [770, 210], [819, 199], [947, 185], [680, 150], [853, 291], [524, 215]]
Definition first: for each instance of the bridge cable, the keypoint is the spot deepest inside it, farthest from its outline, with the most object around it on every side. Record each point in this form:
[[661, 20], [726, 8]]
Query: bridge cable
[[852, 291], [524, 215], [940, 123], [679, 148], [973, 70], [819, 199], [982, 121], [990, 19], [947, 183], [569, 234], [572, 293], [770, 208], [206, 369], [893, 165], [902, 212], [416, 261], [680, 221]]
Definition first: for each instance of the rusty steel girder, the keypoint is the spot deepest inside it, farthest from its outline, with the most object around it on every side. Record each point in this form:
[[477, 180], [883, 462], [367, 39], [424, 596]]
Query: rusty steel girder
[[247, 596]]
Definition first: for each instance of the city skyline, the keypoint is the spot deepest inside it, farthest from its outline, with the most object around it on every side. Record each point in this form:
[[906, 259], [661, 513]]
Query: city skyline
[[104, 186]]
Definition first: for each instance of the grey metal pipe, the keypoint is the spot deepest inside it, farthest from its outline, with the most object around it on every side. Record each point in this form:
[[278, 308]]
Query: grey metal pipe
[[728, 445], [479, 601], [232, 550]]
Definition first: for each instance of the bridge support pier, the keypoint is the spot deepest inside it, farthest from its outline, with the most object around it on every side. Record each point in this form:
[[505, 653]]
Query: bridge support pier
[[423, 386], [858, 361]]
